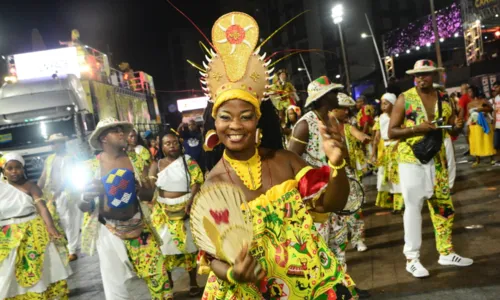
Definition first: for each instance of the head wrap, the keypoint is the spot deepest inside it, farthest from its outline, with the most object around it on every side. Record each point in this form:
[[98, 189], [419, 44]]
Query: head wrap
[[11, 156], [389, 97]]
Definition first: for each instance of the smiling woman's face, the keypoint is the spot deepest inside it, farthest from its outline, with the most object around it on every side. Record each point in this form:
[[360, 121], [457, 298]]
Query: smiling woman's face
[[236, 123]]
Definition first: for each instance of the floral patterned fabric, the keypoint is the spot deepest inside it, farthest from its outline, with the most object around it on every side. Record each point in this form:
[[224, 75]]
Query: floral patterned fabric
[[357, 157], [144, 154], [314, 154], [297, 261], [177, 228], [365, 115], [148, 263], [58, 290], [31, 240], [414, 115]]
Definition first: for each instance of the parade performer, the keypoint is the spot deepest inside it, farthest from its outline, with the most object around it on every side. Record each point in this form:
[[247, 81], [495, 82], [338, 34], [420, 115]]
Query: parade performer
[[136, 145], [365, 119], [118, 224], [280, 188], [480, 129], [31, 267], [307, 142], [178, 179], [389, 192], [282, 91], [292, 115], [422, 166], [355, 141], [55, 183]]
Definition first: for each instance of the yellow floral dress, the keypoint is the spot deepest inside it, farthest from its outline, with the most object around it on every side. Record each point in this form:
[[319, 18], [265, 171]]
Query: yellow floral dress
[[30, 243], [440, 205], [177, 228], [297, 261], [387, 161]]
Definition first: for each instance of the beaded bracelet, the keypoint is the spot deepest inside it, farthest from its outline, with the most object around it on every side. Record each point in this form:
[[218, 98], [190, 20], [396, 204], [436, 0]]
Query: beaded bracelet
[[230, 276], [335, 168]]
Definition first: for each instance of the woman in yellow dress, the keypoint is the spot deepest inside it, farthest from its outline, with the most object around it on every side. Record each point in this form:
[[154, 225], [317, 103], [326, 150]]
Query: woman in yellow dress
[[389, 191], [282, 190], [33, 264], [480, 128], [178, 179]]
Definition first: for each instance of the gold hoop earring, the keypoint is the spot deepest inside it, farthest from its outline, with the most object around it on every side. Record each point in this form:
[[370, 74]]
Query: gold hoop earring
[[258, 136]]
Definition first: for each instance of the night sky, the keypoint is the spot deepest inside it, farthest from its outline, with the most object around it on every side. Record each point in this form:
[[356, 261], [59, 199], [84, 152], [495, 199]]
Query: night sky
[[134, 30]]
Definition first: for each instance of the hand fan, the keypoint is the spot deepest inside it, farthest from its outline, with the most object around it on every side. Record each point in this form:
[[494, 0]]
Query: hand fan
[[221, 221]]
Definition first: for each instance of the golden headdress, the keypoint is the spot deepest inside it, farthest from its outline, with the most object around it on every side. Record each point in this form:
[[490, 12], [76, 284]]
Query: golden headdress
[[236, 70]]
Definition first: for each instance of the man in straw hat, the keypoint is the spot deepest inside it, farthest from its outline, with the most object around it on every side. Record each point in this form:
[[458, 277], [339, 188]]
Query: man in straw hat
[[306, 141], [416, 122], [124, 239], [55, 185]]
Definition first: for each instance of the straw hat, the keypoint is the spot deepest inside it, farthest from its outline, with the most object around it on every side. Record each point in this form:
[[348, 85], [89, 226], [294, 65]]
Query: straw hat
[[57, 138], [320, 87], [345, 100], [102, 126], [424, 66]]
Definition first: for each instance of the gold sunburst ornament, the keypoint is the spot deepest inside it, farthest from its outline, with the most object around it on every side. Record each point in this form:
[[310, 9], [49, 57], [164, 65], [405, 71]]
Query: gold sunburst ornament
[[236, 70]]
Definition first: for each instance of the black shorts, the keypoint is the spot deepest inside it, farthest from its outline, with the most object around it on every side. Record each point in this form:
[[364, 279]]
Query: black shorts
[[496, 139]]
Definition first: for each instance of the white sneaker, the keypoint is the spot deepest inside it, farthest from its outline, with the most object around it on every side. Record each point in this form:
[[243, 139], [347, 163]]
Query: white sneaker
[[361, 247], [454, 259], [416, 269]]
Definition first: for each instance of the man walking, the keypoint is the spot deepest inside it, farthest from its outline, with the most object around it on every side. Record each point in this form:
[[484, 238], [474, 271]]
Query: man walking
[[415, 122]]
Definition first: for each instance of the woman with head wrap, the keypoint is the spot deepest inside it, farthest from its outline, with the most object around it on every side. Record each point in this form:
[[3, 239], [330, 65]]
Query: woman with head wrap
[[31, 266], [280, 188], [389, 191]]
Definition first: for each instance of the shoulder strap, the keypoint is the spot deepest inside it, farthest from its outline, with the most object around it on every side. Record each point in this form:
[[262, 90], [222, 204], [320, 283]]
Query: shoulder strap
[[440, 105]]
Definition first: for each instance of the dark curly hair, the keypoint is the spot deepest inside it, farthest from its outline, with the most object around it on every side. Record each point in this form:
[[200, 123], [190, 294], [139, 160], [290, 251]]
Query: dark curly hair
[[269, 123]]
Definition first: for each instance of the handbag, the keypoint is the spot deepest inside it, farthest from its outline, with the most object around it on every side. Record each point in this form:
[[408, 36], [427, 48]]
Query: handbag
[[425, 149]]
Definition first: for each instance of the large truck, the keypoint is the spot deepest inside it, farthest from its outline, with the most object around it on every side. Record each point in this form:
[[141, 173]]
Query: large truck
[[67, 90]]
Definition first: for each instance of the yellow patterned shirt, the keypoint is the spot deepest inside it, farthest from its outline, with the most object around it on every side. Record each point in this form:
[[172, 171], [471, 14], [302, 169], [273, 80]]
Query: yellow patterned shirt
[[415, 115]]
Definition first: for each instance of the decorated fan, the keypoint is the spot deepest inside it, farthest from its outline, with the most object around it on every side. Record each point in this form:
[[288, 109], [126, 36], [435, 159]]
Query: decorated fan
[[221, 221]]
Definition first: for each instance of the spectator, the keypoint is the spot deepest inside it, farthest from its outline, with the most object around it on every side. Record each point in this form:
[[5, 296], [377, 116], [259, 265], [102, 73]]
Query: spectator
[[192, 139]]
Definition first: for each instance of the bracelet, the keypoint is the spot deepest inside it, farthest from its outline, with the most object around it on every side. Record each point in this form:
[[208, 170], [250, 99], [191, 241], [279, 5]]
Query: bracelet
[[298, 141], [230, 276], [40, 200], [335, 168]]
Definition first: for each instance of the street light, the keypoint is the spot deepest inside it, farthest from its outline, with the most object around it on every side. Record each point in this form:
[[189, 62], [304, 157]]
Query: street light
[[379, 58], [337, 16], [338, 76]]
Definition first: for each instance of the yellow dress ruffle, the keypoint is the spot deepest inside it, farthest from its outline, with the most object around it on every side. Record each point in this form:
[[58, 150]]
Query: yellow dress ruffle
[[31, 240], [480, 143]]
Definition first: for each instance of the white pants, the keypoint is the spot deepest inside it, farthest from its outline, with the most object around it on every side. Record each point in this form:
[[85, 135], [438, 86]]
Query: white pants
[[417, 186], [71, 218], [450, 158], [115, 266]]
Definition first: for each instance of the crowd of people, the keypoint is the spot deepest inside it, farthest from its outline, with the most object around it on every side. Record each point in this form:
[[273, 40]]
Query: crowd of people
[[295, 166]]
